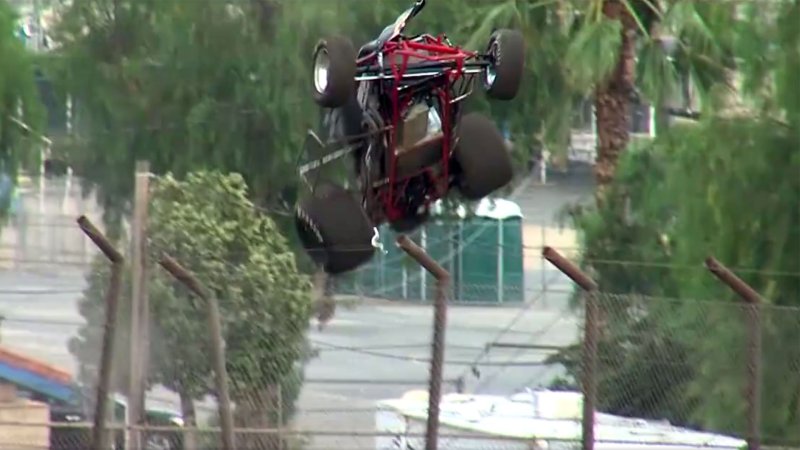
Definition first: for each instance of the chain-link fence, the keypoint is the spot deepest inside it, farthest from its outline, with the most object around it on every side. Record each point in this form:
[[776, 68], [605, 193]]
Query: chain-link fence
[[694, 364], [77, 436], [658, 359], [293, 385]]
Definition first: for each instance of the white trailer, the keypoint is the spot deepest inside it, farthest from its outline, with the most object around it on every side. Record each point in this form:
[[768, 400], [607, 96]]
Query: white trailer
[[536, 419]]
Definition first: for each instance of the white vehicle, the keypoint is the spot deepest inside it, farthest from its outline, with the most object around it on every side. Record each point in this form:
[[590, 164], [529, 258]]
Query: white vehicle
[[536, 419]]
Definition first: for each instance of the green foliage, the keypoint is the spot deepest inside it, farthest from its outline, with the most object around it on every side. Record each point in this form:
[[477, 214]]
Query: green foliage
[[225, 86], [208, 224], [540, 114], [737, 162], [593, 54], [246, 263], [222, 87], [726, 187], [19, 103], [572, 49]]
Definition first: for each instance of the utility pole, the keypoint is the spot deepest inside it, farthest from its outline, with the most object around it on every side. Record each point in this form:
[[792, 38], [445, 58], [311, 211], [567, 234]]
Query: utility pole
[[139, 305]]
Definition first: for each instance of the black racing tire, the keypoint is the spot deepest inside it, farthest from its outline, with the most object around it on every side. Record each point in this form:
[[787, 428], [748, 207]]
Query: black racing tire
[[482, 157], [507, 50], [339, 54], [334, 229]]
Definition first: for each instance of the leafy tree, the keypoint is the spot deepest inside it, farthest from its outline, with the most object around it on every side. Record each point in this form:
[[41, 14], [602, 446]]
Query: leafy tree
[[208, 224], [221, 87], [227, 84], [726, 186], [20, 106]]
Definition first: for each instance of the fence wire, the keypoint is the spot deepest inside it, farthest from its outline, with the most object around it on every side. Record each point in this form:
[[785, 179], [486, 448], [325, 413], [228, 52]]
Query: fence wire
[[681, 361], [678, 360], [77, 436]]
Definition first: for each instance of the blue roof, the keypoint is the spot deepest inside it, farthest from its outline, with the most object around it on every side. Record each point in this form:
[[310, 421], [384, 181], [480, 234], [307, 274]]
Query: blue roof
[[56, 390]]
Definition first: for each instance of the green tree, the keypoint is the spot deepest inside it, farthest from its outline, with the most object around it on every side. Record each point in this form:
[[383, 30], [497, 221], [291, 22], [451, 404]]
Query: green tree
[[726, 186], [598, 48], [208, 224], [222, 86], [20, 106]]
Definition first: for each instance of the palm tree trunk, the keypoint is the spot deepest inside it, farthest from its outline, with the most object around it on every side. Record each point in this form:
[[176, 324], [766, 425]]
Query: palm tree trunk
[[612, 101]]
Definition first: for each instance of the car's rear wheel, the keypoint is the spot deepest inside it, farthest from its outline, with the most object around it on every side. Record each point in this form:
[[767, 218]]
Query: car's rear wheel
[[502, 78], [482, 157], [334, 71], [334, 229]]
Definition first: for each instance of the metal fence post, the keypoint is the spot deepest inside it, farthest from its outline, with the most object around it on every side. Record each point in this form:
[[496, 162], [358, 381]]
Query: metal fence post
[[439, 325], [99, 434], [217, 346], [590, 340], [753, 302], [500, 256]]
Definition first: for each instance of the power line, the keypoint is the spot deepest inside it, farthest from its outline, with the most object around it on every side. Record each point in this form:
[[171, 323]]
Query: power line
[[425, 360], [505, 330], [484, 382], [40, 291]]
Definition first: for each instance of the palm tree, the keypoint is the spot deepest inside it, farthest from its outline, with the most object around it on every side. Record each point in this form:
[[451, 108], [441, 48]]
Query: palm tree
[[617, 51]]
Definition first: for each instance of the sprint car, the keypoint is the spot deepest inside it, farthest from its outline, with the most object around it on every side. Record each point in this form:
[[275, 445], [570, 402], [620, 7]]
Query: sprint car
[[394, 110]]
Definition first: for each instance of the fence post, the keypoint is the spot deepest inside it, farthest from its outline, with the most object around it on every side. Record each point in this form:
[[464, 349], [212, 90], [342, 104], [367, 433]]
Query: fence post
[[500, 269], [217, 345], [753, 302], [109, 333], [591, 333], [439, 325], [139, 307]]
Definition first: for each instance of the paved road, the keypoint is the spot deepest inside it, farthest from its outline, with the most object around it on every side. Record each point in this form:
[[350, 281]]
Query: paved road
[[386, 342], [40, 315], [375, 351]]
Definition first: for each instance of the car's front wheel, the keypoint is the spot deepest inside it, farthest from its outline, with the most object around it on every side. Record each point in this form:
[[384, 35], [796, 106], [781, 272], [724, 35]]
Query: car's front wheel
[[502, 78], [334, 71]]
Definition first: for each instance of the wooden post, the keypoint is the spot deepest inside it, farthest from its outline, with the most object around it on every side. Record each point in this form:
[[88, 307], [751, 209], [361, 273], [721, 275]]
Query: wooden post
[[139, 307]]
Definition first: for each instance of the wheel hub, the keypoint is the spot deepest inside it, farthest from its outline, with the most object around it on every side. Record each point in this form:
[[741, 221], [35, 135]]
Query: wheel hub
[[489, 75], [321, 64]]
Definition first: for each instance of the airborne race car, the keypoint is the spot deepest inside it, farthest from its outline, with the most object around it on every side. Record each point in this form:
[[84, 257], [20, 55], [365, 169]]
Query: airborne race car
[[395, 108]]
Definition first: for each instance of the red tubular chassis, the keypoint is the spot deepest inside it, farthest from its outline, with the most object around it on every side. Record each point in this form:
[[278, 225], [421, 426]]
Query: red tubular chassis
[[400, 100], [404, 68]]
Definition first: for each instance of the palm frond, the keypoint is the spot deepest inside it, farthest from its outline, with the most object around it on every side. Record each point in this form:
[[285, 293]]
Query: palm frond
[[593, 53], [499, 14], [657, 75], [636, 17]]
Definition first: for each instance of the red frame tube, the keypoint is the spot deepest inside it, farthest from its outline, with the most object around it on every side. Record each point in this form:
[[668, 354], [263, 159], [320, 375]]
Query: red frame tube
[[434, 50]]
